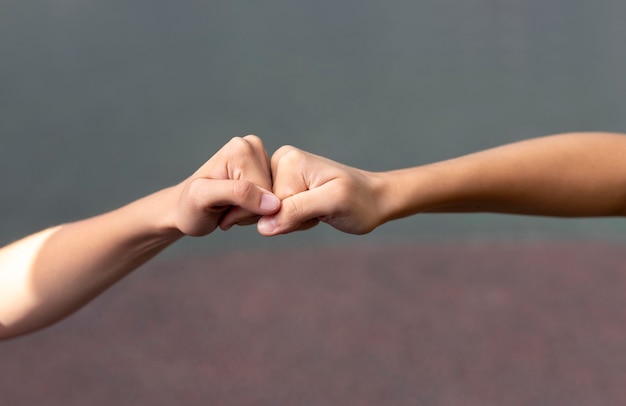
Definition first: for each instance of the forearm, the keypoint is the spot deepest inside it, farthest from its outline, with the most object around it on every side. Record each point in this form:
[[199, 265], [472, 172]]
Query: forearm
[[49, 275], [577, 174]]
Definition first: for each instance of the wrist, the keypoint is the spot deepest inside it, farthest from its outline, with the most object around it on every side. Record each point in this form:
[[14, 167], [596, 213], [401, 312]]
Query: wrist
[[157, 213], [411, 191], [385, 195]]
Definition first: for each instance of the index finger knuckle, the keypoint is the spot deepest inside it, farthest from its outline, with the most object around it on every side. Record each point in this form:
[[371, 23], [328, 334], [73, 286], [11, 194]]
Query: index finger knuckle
[[243, 191]]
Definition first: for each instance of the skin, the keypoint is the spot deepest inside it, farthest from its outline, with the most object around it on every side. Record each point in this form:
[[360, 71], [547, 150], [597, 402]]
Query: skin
[[565, 175], [49, 275]]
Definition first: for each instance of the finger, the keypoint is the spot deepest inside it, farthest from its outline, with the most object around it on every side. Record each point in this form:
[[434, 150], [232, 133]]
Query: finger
[[248, 160], [278, 156], [299, 211], [208, 195], [289, 171], [263, 158], [242, 158], [256, 143], [307, 225], [238, 216]]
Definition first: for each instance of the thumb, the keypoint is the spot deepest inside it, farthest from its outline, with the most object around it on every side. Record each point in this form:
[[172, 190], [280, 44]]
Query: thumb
[[205, 201], [298, 212], [208, 194]]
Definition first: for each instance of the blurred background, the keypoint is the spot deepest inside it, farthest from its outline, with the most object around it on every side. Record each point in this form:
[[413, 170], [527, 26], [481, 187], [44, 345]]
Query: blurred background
[[102, 102]]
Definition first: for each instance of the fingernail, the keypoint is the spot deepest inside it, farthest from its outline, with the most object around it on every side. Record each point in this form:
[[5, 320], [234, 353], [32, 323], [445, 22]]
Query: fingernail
[[267, 224], [269, 202]]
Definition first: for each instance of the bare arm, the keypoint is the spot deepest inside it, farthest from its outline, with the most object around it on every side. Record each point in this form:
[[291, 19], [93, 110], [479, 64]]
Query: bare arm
[[46, 276], [567, 175], [575, 174]]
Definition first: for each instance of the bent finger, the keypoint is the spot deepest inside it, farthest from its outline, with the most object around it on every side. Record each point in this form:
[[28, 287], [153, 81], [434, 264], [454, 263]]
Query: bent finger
[[300, 211], [209, 194]]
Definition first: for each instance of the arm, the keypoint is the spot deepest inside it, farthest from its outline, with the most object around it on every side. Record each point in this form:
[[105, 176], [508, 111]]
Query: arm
[[576, 174], [46, 276]]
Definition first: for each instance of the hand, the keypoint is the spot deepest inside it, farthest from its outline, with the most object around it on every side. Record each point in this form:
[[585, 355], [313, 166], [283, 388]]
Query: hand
[[314, 189], [233, 187]]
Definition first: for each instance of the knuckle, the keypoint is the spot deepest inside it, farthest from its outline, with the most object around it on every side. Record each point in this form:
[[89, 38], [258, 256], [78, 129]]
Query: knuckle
[[280, 152], [242, 190], [287, 155], [239, 155], [238, 143], [238, 146], [195, 194], [293, 211], [254, 141]]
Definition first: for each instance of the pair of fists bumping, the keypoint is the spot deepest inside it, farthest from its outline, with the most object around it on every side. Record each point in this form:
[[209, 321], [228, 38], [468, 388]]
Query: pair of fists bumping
[[294, 190]]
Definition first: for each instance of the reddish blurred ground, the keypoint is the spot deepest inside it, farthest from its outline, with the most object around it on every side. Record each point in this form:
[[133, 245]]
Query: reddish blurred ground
[[446, 324]]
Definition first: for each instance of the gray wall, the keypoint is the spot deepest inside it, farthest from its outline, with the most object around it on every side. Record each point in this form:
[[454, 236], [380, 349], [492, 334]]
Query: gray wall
[[102, 102]]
